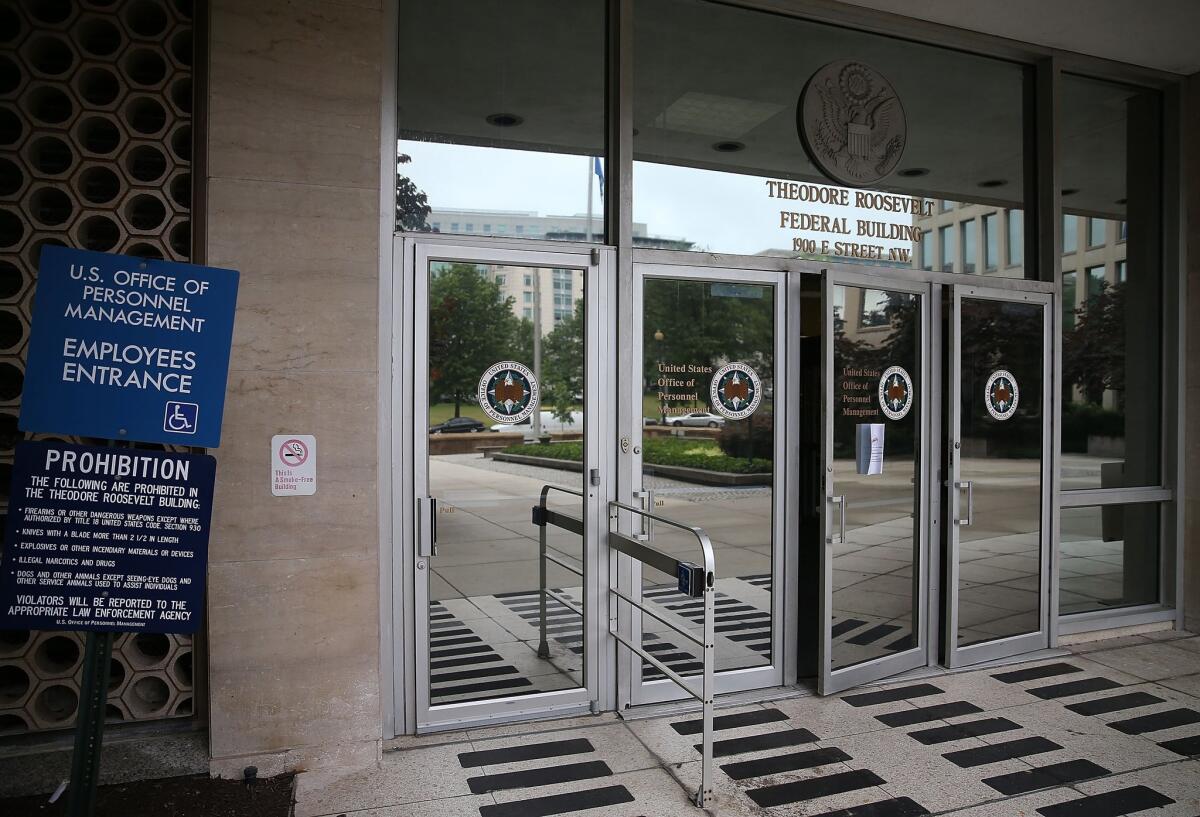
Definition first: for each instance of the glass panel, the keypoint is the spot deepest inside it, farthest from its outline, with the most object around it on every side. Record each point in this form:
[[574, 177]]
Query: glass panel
[[1109, 557], [720, 166], [1112, 344], [927, 250], [508, 141], [1001, 434], [1068, 301], [711, 463], [492, 450], [876, 440]]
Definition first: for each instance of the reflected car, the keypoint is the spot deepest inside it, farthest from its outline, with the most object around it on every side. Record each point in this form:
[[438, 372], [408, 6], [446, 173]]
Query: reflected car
[[701, 419], [550, 423], [457, 425]]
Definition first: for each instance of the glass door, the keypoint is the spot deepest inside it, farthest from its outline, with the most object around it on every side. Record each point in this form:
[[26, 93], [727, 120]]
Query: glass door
[[874, 553], [998, 474], [710, 399], [502, 387]]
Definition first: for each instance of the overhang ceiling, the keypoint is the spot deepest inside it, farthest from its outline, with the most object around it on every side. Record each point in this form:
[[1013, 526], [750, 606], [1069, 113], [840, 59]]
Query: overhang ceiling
[[707, 73], [1159, 34]]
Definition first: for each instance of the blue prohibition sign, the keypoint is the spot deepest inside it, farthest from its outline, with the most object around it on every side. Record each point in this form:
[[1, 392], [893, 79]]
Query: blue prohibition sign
[[126, 348]]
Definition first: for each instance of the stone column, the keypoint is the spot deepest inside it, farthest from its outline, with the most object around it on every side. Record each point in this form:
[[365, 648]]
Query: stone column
[[292, 202]]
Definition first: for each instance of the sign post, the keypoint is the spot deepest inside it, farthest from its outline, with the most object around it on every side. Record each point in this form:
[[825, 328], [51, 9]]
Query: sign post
[[102, 539]]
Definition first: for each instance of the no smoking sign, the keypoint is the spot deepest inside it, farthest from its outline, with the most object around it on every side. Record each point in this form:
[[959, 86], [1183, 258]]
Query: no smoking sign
[[293, 465]]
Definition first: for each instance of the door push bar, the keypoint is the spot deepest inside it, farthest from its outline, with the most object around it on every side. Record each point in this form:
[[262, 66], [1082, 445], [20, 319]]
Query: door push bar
[[970, 486], [697, 581], [426, 526], [840, 501]]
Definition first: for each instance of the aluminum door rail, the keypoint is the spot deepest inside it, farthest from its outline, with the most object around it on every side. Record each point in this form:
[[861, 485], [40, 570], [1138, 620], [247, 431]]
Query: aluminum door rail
[[646, 553]]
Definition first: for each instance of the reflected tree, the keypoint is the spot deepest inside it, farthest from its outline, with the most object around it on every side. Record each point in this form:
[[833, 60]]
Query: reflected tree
[[471, 326], [562, 364], [412, 204], [1094, 349]]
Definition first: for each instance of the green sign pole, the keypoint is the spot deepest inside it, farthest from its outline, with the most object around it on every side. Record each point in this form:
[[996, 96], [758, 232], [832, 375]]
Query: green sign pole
[[89, 725]]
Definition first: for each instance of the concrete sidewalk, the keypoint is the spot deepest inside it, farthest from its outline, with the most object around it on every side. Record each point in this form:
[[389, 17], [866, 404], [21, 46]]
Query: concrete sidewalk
[[1112, 728]]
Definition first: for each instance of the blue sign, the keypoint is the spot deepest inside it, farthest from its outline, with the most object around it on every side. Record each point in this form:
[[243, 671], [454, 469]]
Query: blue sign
[[126, 348], [106, 539]]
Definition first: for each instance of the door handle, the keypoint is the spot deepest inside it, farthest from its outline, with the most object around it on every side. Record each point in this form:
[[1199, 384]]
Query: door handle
[[970, 486], [426, 526], [840, 501], [644, 523]]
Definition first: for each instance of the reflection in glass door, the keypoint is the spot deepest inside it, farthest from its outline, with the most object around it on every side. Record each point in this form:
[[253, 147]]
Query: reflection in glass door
[[500, 389], [874, 553], [712, 413], [998, 469]]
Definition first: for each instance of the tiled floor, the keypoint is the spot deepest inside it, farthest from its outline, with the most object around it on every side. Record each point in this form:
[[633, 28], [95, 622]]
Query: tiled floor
[[1112, 729]]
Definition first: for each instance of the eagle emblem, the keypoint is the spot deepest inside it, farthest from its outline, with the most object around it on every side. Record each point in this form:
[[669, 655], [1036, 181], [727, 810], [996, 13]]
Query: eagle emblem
[[1000, 395], [508, 392], [895, 393], [851, 123], [735, 391]]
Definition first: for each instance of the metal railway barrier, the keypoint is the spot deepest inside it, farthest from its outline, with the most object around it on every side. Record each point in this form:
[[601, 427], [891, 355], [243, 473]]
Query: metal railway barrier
[[696, 581]]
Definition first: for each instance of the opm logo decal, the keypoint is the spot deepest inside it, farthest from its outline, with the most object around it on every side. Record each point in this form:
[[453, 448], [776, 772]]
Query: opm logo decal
[[1001, 394], [895, 393], [508, 392], [735, 391]]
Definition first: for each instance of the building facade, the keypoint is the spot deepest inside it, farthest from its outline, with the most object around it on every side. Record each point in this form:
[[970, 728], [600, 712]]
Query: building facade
[[993, 275]]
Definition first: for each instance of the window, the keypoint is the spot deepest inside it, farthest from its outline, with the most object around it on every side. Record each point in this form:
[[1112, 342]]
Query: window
[[927, 250], [1112, 367], [528, 297], [1068, 301], [1122, 230], [1096, 285], [527, 313], [991, 242], [1016, 238], [719, 166], [500, 280], [946, 242], [491, 136], [528, 280], [454, 226], [1096, 229], [437, 228], [469, 228], [968, 245], [1070, 234], [520, 228]]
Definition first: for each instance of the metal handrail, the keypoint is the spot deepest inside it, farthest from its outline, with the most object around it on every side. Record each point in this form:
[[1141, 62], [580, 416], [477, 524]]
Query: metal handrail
[[644, 552], [702, 586], [543, 516]]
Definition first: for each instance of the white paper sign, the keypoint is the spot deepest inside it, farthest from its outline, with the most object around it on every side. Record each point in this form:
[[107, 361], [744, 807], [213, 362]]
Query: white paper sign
[[868, 448], [293, 465]]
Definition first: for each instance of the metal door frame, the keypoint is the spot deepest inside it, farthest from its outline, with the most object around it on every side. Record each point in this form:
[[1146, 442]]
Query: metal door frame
[[410, 452], [956, 656], [920, 655], [632, 691]]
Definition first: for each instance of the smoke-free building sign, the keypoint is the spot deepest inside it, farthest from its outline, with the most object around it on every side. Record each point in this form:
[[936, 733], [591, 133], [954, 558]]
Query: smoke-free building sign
[[293, 465], [126, 348]]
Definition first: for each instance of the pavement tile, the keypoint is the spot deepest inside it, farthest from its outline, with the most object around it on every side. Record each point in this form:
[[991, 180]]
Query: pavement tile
[[1152, 662]]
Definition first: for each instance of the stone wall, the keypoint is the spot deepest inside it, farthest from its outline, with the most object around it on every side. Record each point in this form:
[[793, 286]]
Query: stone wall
[[293, 202]]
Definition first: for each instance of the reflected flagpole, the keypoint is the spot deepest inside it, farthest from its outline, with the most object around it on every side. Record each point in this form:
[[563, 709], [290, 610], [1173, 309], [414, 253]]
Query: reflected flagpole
[[590, 171]]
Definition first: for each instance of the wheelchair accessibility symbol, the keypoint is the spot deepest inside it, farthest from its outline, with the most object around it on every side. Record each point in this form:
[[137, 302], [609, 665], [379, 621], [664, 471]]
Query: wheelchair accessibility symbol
[[180, 418]]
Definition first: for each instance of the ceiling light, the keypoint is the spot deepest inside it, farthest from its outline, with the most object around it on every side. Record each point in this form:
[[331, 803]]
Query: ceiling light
[[993, 183], [505, 120], [1121, 201], [1070, 191], [913, 172], [728, 147], [727, 117]]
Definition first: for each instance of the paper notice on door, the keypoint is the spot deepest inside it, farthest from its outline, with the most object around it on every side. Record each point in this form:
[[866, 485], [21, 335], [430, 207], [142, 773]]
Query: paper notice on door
[[868, 448]]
